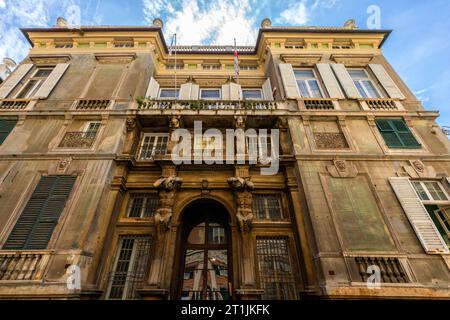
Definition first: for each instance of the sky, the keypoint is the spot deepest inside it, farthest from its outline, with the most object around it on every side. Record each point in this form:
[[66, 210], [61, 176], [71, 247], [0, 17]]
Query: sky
[[418, 48]]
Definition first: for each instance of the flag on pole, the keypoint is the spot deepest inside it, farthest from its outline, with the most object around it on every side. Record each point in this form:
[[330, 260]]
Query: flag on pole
[[236, 61]]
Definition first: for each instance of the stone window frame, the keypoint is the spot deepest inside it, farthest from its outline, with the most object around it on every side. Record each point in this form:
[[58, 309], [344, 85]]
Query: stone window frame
[[424, 150], [295, 262], [123, 216], [54, 147], [141, 144], [369, 77], [341, 122], [317, 78], [31, 76], [286, 221]]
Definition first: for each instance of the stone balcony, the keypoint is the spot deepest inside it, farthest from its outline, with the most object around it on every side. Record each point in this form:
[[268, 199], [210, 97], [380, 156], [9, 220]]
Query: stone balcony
[[207, 105], [381, 104], [15, 104], [23, 265], [318, 104]]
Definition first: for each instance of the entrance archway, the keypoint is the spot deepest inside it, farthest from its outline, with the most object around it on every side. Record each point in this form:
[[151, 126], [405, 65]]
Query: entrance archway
[[204, 248]]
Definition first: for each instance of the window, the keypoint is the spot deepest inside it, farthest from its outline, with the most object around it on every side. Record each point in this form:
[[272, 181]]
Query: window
[[174, 66], [6, 126], [248, 67], [365, 85], [252, 94], [34, 83], [38, 220], [212, 67], [127, 44], [169, 93], [396, 133], [430, 191], [267, 207], [307, 83], [260, 146], [130, 267], [92, 130], [153, 145], [210, 94], [275, 273], [142, 205], [63, 45]]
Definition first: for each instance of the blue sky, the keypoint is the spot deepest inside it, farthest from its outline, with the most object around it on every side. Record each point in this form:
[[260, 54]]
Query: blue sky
[[418, 48]]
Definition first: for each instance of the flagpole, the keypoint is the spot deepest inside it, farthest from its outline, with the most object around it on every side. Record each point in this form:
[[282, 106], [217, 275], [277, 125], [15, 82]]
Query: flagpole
[[237, 69]]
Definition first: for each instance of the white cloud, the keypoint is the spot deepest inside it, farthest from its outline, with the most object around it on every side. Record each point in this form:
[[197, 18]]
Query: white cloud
[[16, 14], [296, 14], [200, 22]]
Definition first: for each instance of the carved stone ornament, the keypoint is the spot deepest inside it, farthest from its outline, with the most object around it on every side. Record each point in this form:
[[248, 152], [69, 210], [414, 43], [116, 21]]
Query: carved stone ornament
[[239, 122], [417, 169], [282, 124], [167, 189], [244, 198], [342, 169], [131, 124], [174, 122], [63, 165]]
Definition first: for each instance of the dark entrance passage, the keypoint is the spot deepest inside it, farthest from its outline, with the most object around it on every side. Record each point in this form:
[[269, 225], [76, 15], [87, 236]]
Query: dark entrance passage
[[205, 253]]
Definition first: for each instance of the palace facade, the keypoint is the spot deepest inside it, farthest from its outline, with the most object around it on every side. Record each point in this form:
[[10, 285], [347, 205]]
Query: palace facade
[[93, 207]]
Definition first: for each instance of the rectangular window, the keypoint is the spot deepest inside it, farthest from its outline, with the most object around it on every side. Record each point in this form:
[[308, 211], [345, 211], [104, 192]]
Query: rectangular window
[[248, 67], [63, 45], [441, 219], [366, 87], [252, 94], [430, 191], [92, 130], [275, 273], [267, 207], [126, 44], [396, 133], [169, 93], [130, 267], [308, 84], [6, 126], [153, 145], [34, 83], [210, 94], [142, 205], [211, 67], [174, 66], [38, 220]]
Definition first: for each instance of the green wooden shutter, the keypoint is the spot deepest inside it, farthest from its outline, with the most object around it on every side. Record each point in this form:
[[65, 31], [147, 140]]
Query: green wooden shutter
[[6, 126], [396, 134], [35, 225]]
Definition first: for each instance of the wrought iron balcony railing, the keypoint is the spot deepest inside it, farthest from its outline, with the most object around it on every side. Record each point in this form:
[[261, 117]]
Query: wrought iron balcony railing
[[78, 139]]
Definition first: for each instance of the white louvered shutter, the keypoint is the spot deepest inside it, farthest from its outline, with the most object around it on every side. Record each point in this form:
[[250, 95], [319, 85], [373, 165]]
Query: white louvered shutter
[[418, 216], [289, 82], [52, 80], [226, 91], [153, 89], [185, 91], [195, 91], [235, 91], [330, 81], [267, 90], [386, 81], [13, 80], [346, 81]]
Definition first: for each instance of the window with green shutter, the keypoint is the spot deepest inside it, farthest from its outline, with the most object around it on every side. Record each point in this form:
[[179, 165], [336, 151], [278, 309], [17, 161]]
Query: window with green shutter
[[396, 133], [6, 126], [35, 225]]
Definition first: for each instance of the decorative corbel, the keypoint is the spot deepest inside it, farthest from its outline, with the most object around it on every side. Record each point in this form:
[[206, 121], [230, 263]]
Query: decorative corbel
[[167, 187], [342, 169], [243, 195], [239, 122]]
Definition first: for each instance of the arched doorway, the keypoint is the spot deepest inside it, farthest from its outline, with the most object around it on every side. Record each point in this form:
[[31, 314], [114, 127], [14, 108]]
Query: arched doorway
[[204, 248]]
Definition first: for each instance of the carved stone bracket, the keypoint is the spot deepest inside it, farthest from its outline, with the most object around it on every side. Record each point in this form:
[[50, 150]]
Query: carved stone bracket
[[342, 169], [243, 196], [130, 124], [239, 122], [167, 187], [417, 169]]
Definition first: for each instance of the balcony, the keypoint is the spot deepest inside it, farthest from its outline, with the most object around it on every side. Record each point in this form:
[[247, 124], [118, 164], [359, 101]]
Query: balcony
[[77, 139], [391, 269], [318, 104], [91, 104], [14, 104], [382, 104], [206, 105], [22, 265]]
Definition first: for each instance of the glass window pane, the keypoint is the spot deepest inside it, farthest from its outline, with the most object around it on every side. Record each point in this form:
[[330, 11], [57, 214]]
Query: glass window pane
[[361, 91], [216, 234], [197, 235], [357, 74], [193, 275], [217, 278], [27, 89], [303, 88], [267, 207], [304, 74], [169, 93], [42, 73], [370, 88], [210, 94], [435, 191], [315, 90], [420, 190], [252, 94]]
